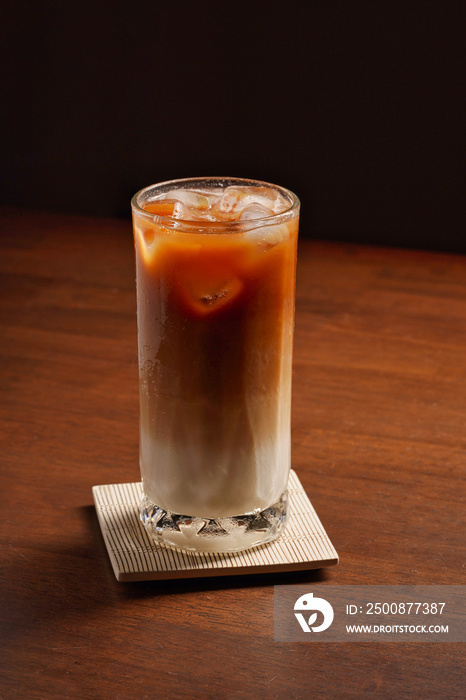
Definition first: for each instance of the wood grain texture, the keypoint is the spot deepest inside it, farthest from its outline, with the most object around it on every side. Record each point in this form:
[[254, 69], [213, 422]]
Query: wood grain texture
[[379, 443]]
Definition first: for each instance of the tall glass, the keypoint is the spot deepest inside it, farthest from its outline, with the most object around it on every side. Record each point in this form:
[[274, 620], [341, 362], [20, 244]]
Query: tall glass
[[215, 274]]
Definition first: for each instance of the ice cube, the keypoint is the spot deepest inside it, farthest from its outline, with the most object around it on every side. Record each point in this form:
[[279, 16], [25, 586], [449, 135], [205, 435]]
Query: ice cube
[[268, 235], [212, 193], [145, 235], [255, 211], [230, 199], [146, 242], [211, 299], [206, 298], [220, 294], [278, 202], [191, 199], [235, 199], [180, 211], [188, 204]]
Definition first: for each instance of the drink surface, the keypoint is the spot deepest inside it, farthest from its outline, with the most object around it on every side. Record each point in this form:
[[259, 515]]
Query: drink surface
[[215, 325]]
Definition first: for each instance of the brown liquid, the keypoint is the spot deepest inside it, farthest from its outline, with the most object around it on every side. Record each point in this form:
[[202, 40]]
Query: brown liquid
[[215, 325]]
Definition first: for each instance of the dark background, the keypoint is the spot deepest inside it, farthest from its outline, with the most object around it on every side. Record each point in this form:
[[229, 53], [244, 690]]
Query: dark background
[[358, 106]]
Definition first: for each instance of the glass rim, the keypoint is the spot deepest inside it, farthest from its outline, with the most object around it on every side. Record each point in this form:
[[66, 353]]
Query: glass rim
[[213, 226]]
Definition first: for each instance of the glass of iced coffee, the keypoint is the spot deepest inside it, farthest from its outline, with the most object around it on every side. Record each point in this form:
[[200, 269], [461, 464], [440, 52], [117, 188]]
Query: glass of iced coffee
[[215, 274]]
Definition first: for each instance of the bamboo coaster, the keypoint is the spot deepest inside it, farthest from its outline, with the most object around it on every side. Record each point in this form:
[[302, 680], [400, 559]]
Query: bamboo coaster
[[136, 557]]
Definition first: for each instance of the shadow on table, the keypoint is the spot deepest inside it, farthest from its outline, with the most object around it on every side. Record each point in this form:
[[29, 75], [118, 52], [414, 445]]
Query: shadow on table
[[66, 578], [142, 589]]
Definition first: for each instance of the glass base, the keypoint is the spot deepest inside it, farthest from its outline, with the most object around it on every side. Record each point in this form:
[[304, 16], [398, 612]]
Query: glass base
[[218, 534]]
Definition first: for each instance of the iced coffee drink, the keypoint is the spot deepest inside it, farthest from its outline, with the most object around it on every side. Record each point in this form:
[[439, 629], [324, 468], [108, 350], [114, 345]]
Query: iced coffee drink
[[215, 261]]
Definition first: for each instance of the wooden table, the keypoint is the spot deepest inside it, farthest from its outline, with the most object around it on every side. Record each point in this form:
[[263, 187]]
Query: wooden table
[[379, 442]]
